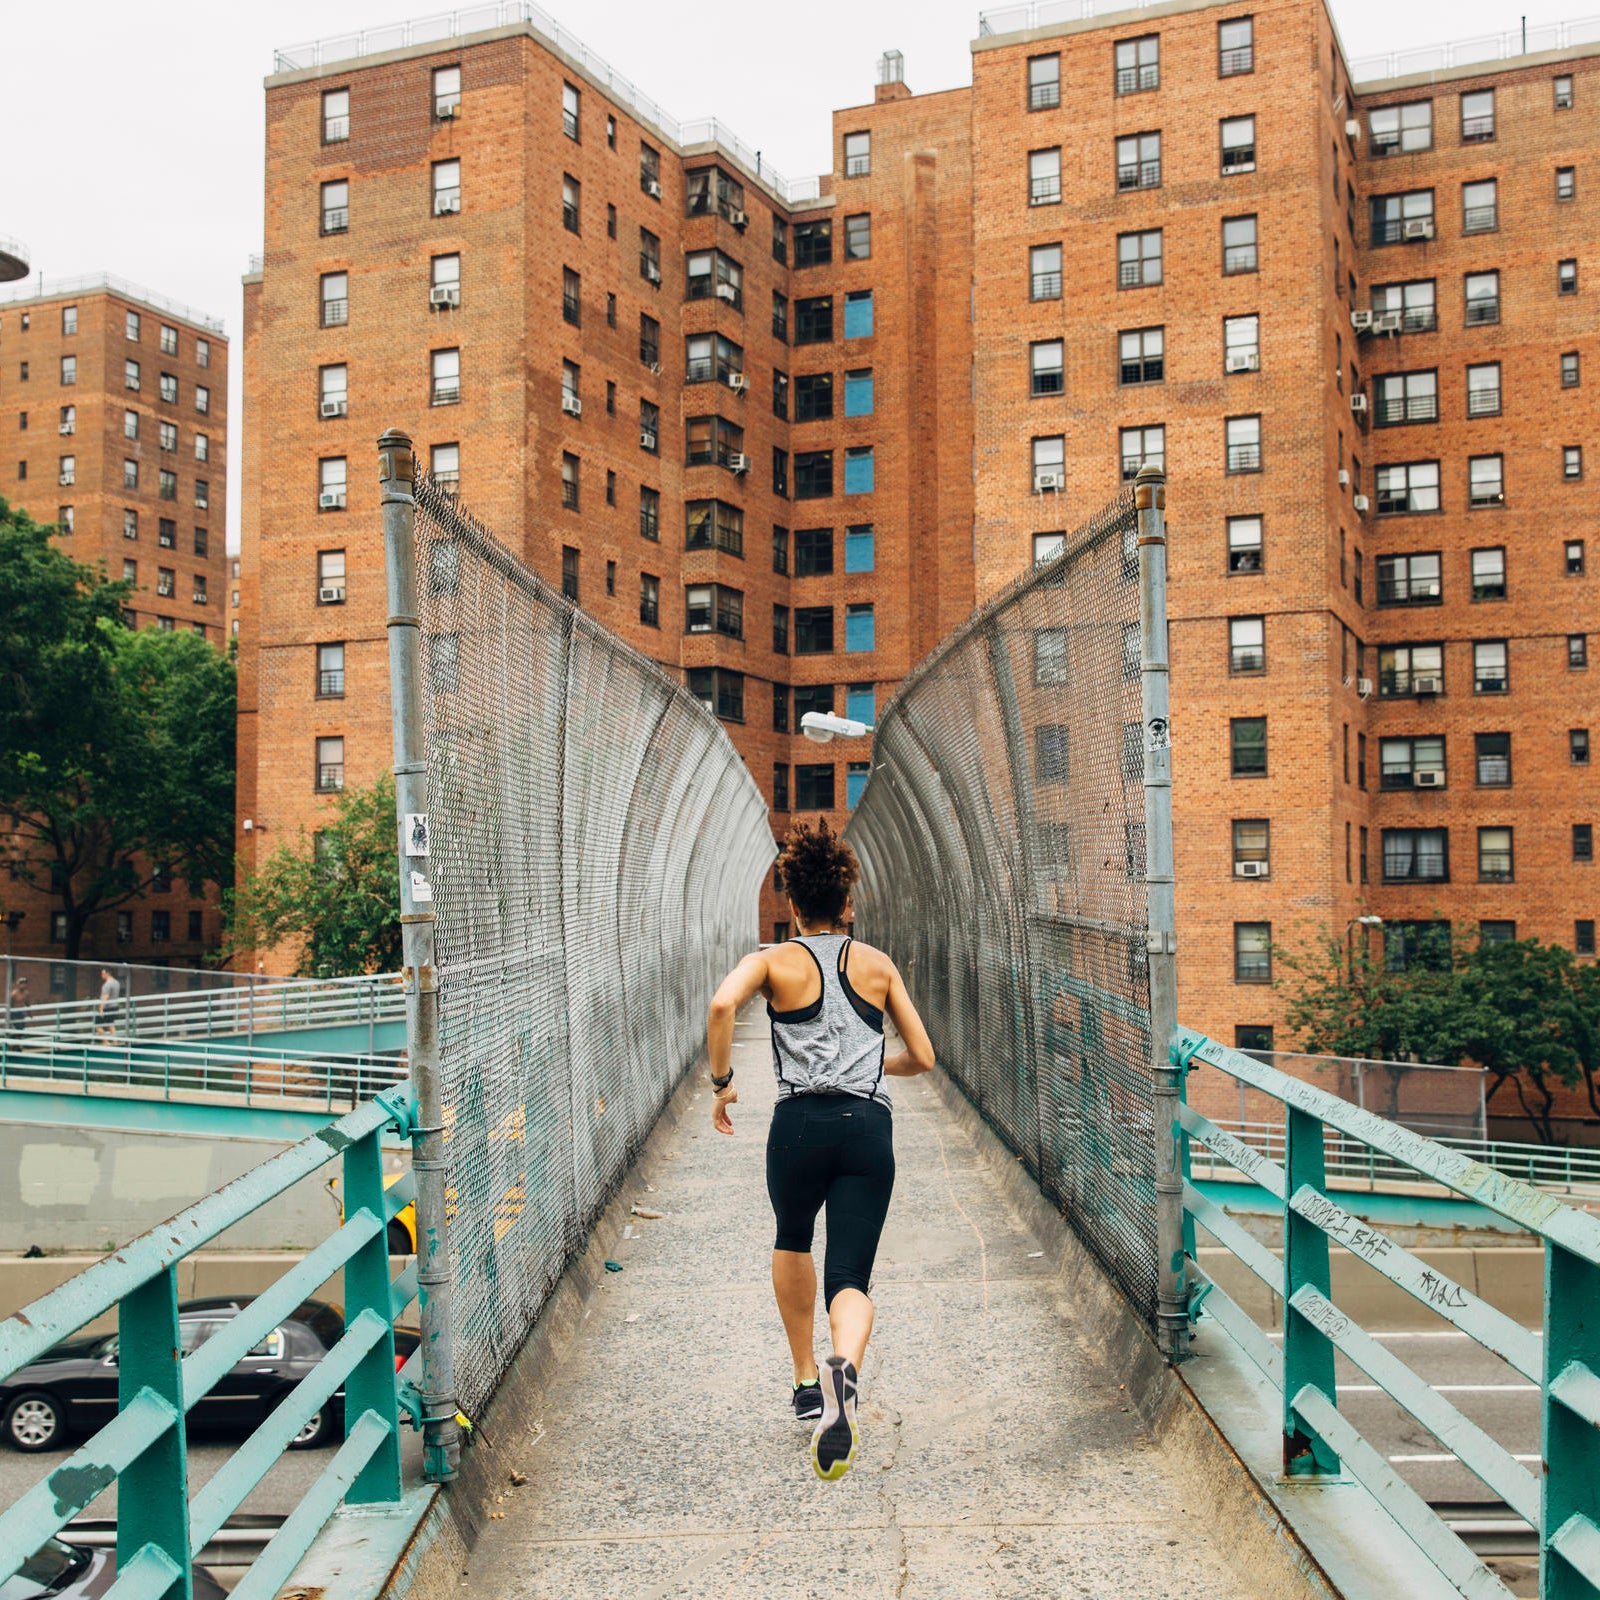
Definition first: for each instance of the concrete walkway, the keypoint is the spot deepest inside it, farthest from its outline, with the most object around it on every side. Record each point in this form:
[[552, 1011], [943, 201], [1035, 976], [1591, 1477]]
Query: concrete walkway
[[999, 1456]]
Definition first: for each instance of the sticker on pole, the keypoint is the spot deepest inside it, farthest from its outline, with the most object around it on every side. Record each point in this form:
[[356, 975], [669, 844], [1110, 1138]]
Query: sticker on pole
[[1157, 734], [421, 890], [416, 833]]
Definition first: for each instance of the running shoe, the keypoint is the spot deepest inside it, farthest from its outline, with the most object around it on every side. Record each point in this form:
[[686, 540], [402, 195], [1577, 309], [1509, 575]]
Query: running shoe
[[834, 1444], [808, 1400]]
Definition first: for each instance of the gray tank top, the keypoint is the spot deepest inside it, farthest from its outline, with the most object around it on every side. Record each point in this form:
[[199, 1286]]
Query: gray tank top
[[835, 1044]]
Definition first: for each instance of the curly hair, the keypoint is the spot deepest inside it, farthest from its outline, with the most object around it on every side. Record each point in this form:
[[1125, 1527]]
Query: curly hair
[[818, 870]]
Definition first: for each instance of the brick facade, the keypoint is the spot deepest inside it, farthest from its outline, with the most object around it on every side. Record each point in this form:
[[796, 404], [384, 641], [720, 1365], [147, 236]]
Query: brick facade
[[66, 392], [956, 204]]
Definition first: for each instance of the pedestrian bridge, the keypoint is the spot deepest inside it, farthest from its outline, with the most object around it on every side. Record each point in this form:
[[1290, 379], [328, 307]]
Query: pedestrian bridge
[[1065, 1396]]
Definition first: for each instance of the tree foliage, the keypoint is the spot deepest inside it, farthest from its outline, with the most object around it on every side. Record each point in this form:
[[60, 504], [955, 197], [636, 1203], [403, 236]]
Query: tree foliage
[[336, 896], [116, 746], [1529, 1013]]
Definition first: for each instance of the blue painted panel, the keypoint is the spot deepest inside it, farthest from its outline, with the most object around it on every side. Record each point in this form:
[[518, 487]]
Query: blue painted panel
[[855, 782], [861, 704], [859, 628], [858, 394], [859, 471], [858, 314], [860, 549]]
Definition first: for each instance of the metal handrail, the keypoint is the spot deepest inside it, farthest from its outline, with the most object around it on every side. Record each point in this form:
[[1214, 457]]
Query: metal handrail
[[1466, 52], [95, 282], [161, 1530], [1319, 1442]]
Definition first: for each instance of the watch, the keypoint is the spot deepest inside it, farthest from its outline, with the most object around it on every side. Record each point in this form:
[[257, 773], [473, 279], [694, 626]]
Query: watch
[[722, 1082]]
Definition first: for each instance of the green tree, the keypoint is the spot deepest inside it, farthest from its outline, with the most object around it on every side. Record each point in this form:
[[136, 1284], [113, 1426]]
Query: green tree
[[337, 896], [116, 747]]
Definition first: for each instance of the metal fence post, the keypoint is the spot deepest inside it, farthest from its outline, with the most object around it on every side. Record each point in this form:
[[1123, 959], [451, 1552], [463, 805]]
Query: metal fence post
[[1570, 1443], [1172, 1296], [370, 1387], [441, 1435], [1307, 1350]]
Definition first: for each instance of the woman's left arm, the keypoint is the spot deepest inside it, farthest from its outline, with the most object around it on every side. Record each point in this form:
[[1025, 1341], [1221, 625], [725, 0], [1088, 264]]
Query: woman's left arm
[[745, 981]]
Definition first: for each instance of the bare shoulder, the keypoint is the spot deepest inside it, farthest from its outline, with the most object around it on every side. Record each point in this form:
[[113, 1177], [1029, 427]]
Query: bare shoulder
[[872, 960]]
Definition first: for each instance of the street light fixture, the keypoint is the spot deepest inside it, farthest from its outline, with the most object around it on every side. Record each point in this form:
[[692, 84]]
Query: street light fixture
[[821, 727]]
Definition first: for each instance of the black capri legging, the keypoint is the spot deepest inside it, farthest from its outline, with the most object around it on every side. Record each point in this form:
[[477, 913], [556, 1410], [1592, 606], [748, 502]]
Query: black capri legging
[[835, 1150]]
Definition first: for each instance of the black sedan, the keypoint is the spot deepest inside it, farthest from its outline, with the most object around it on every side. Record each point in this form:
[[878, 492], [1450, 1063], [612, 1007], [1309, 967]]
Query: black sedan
[[73, 1387], [62, 1571]]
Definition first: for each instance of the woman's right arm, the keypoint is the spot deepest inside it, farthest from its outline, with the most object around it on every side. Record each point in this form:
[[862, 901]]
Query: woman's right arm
[[917, 1057]]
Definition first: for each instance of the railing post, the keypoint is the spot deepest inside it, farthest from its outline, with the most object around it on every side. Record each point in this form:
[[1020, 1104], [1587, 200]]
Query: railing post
[[371, 1387], [441, 1439], [1172, 1295], [1307, 1351], [1570, 1441], [153, 1489]]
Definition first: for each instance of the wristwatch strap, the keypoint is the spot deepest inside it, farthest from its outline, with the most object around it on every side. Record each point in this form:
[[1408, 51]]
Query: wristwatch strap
[[723, 1082]]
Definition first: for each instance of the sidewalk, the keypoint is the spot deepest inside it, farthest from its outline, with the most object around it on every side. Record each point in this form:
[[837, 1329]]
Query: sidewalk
[[998, 1456]]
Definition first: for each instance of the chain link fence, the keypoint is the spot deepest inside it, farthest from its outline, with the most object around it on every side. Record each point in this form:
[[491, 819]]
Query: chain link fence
[[1001, 840], [594, 852]]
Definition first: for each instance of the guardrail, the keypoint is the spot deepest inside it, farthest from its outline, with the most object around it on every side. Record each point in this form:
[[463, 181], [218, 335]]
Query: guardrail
[[191, 1072], [1485, 48], [269, 1006], [1353, 1163], [1564, 1503], [160, 1529]]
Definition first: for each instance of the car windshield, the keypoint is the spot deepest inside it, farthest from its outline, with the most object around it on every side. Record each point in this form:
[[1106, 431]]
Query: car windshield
[[52, 1562]]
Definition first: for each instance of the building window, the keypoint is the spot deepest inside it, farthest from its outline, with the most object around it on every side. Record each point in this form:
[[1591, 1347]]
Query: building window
[[1583, 936], [1483, 390], [780, 239], [202, 399], [1583, 841], [335, 299], [813, 630], [1490, 667], [571, 297], [813, 787], [202, 352], [709, 274], [1567, 277], [1482, 298], [1489, 574], [444, 467], [569, 482], [650, 342], [1413, 487], [332, 481], [1238, 145], [1495, 863], [167, 340], [780, 317], [1409, 580], [69, 321], [167, 388], [1236, 52], [649, 514], [857, 315], [1247, 645], [1397, 218], [858, 237], [1492, 753], [1485, 481], [130, 375], [1238, 246], [1241, 344], [130, 424], [813, 474], [813, 243], [69, 371], [330, 765], [1046, 368], [571, 197], [649, 600], [330, 671], [67, 471], [1566, 183], [1244, 544], [1248, 739], [1138, 64], [1252, 952], [66, 518], [1577, 650], [446, 188], [1496, 932], [1415, 763], [571, 104], [446, 92], [813, 322], [712, 524], [167, 484], [1407, 669], [335, 207], [1044, 82], [1415, 303], [1049, 463], [330, 577], [445, 371], [1416, 855], [1044, 271], [1570, 371], [1477, 116], [860, 629], [335, 116], [1139, 447], [1244, 444], [1252, 851], [333, 391], [1401, 130], [1044, 177], [166, 582], [1572, 461], [1138, 162], [1409, 397], [1141, 355], [720, 691], [813, 552], [1573, 557]]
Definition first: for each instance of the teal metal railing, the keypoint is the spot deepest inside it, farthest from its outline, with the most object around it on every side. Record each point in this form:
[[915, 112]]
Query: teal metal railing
[[1564, 1503], [160, 1528]]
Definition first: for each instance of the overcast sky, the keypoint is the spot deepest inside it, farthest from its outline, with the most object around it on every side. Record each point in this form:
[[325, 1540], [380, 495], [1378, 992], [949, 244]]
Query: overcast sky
[[134, 128]]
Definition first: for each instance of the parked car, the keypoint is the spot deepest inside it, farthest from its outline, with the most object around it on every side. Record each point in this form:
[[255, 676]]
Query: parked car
[[72, 1388], [62, 1571]]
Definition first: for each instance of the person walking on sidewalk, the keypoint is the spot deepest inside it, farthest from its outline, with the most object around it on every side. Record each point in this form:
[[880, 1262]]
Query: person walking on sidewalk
[[831, 1143]]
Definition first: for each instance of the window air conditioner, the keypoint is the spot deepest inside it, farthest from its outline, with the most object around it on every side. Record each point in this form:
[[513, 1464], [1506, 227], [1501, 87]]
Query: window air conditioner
[[445, 294], [647, 440], [1388, 322], [448, 113], [444, 204], [726, 291], [653, 189], [655, 368], [1048, 480], [738, 382], [1417, 228], [738, 463], [333, 408], [331, 595], [1344, 477], [1433, 779], [1250, 869], [571, 404], [1352, 129], [1364, 688], [69, 427], [1358, 404], [331, 500], [1242, 361], [652, 272], [1361, 502], [1427, 685], [738, 219], [1361, 320]]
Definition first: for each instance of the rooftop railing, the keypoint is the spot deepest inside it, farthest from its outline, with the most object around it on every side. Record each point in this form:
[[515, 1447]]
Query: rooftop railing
[[42, 288], [446, 25], [1486, 48]]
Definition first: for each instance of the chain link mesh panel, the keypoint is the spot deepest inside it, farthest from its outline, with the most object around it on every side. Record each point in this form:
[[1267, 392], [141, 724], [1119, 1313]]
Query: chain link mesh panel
[[597, 849], [1001, 841]]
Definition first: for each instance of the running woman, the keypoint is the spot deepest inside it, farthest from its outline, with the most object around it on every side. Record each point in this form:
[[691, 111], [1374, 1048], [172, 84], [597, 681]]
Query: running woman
[[831, 1143]]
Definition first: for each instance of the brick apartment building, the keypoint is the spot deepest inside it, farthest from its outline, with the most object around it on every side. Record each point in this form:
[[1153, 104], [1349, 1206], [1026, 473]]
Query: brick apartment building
[[115, 401], [1348, 319]]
